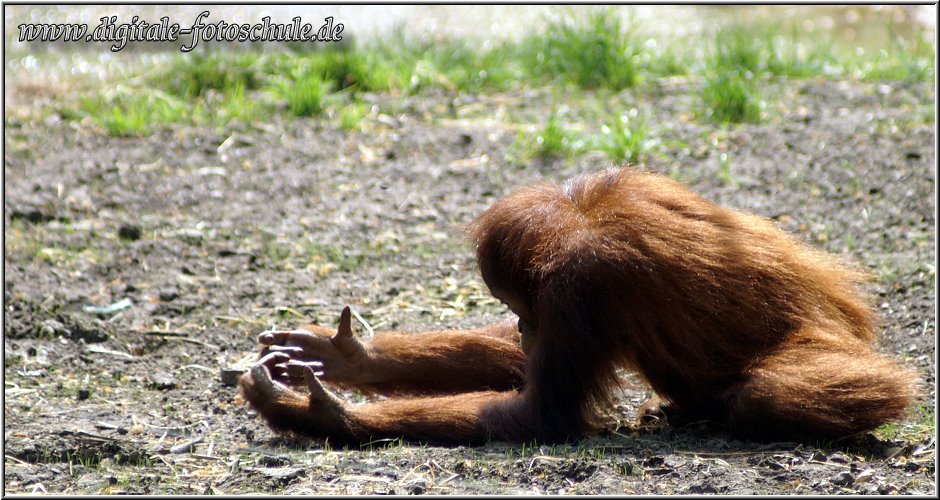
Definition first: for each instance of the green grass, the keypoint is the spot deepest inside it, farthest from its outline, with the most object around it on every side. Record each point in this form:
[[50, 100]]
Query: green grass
[[133, 112], [341, 257], [597, 53], [799, 57], [762, 50], [195, 75], [904, 61], [769, 50], [740, 50], [666, 59], [731, 98], [456, 65], [238, 105], [345, 69], [276, 251], [919, 425], [22, 240], [304, 90], [349, 69], [626, 138], [724, 170], [352, 114], [551, 142]]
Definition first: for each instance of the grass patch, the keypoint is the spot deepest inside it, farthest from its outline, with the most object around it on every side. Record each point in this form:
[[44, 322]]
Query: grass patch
[[131, 112], [796, 57], [304, 90], [455, 65], [724, 170], [552, 142], [919, 426], [908, 59], [42, 244], [195, 75], [738, 50], [352, 114], [355, 70], [237, 105], [626, 138], [665, 59], [768, 50], [905, 60], [731, 98], [597, 53], [21, 240], [332, 256], [276, 251]]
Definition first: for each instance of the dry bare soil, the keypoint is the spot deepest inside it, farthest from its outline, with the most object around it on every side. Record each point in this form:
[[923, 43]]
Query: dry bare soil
[[216, 234]]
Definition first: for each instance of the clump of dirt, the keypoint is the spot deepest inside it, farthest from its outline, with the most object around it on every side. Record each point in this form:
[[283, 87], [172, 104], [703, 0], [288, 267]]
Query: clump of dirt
[[25, 319]]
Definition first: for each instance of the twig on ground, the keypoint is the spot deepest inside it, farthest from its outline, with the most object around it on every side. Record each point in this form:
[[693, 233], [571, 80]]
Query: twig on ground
[[109, 352], [365, 324]]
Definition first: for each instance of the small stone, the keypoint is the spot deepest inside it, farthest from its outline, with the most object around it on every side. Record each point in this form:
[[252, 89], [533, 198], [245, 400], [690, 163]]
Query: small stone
[[844, 478], [840, 458], [417, 487], [887, 489], [32, 216], [865, 476], [230, 376], [161, 381], [129, 232], [282, 473], [187, 446], [702, 489]]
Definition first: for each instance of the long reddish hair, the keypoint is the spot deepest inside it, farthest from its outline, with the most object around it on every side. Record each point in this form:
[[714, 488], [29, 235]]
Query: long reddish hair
[[629, 268]]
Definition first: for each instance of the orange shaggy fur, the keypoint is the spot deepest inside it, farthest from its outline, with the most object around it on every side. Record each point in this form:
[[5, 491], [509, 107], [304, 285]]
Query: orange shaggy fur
[[723, 314]]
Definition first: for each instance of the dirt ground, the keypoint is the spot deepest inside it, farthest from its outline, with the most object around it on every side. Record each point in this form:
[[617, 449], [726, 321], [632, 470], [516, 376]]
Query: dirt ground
[[216, 234]]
